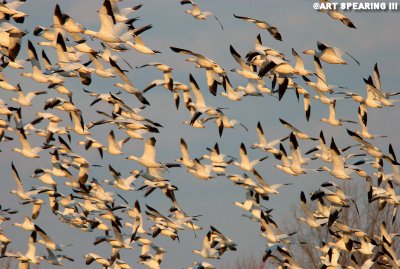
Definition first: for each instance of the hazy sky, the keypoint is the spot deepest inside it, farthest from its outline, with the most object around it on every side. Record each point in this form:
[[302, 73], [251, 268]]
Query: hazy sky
[[376, 39]]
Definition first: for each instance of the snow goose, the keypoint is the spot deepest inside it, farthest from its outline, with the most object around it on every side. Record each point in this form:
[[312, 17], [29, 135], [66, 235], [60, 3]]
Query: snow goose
[[295, 155], [139, 45], [207, 251], [37, 74], [299, 65], [115, 147], [4, 84], [223, 122], [296, 131], [185, 159], [30, 255], [26, 150], [225, 242], [212, 68], [11, 10], [309, 219], [368, 147], [268, 189], [332, 120], [363, 120], [328, 54], [230, 93], [320, 85], [336, 15], [245, 164], [247, 70], [128, 86], [384, 97], [263, 144], [120, 15], [338, 166], [197, 13], [110, 32], [286, 165], [201, 171], [199, 104], [55, 259], [124, 184], [263, 25], [148, 159], [26, 99], [45, 176], [217, 159]]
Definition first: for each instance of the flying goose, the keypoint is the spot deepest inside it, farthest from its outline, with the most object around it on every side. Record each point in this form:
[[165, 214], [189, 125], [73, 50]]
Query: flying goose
[[212, 68], [263, 25], [328, 54], [336, 15], [25, 99], [339, 169], [332, 120], [148, 159], [309, 219], [128, 86], [197, 13], [245, 164], [185, 159], [296, 131]]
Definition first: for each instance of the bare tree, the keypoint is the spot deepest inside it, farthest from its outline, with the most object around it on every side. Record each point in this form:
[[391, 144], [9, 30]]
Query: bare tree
[[361, 215]]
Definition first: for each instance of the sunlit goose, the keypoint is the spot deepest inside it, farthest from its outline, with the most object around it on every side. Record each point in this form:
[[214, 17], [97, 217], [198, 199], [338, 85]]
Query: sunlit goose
[[263, 25], [263, 144], [44, 175], [30, 255], [338, 167], [128, 86], [148, 159], [268, 189], [25, 99], [199, 103], [320, 85], [286, 165], [245, 164], [37, 74], [26, 150], [331, 55], [332, 120], [217, 159], [124, 184], [230, 93], [115, 147], [11, 10], [383, 97], [247, 70], [185, 159], [4, 84], [309, 219], [27, 225], [201, 171], [197, 13], [363, 120], [207, 250], [336, 15], [295, 155], [91, 257], [139, 45], [368, 147], [296, 131]]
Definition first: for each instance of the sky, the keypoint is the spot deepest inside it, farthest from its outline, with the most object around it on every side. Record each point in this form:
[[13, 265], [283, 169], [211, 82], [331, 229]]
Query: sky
[[376, 39]]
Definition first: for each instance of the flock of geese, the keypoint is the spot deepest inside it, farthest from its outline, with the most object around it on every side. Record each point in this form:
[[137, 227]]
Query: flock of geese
[[65, 185]]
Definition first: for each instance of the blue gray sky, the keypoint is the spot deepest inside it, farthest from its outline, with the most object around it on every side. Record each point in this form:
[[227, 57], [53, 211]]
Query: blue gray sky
[[376, 39]]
